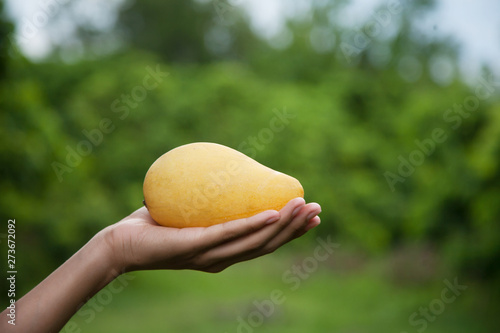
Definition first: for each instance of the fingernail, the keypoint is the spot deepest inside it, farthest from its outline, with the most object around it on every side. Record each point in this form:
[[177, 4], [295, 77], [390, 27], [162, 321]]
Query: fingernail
[[296, 211], [313, 214], [273, 219], [309, 227], [310, 216]]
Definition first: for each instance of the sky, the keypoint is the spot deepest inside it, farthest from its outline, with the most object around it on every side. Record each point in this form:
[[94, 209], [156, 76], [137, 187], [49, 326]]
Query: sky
[[474, 24]]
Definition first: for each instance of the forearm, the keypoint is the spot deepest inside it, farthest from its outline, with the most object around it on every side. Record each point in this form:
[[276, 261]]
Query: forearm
[[55, 300]]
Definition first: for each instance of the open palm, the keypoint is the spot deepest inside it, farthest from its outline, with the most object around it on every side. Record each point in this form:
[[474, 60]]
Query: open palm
[[138, 242]]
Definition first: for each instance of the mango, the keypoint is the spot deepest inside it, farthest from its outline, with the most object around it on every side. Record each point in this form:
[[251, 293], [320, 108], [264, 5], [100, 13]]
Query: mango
[[201, 184]]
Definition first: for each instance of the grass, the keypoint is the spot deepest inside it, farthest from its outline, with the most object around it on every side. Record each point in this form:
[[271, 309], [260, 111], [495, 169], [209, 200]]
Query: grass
[[256, 296]]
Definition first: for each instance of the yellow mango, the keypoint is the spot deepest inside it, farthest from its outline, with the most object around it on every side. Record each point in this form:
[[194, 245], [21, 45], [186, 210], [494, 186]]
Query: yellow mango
[[202, 184]]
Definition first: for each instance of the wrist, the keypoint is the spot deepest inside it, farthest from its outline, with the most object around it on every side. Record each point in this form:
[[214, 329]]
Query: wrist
[[107, 255]]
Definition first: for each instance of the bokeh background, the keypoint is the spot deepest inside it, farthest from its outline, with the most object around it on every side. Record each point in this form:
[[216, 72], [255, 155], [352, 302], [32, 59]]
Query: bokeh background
[[388, 112]]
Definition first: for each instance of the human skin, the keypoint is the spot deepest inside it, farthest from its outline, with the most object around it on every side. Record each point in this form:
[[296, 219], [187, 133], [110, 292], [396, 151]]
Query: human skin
[[138, 243]]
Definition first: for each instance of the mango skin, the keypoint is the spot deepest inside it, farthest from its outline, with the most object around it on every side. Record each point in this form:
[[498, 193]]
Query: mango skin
[[201, 184]]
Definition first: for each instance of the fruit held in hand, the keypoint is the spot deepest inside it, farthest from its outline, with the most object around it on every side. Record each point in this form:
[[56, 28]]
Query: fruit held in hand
[[202, 184]]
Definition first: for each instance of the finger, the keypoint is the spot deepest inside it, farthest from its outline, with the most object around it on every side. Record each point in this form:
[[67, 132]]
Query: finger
[[297, 226], [254, 244], [223, 263], [313, 223], [271, 246], [225, 232], [291, 209], [260, 238], [229, 231]]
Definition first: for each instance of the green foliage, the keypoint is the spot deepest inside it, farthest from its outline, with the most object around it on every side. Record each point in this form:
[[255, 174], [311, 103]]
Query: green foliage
[[340, 139], [330, 299], [392, 162]]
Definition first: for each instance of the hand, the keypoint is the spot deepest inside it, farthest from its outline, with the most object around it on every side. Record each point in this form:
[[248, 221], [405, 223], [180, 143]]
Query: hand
[[138, 242]]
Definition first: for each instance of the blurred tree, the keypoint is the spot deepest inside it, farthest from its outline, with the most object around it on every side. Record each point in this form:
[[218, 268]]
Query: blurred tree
[[174, 29], [186, 31]]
